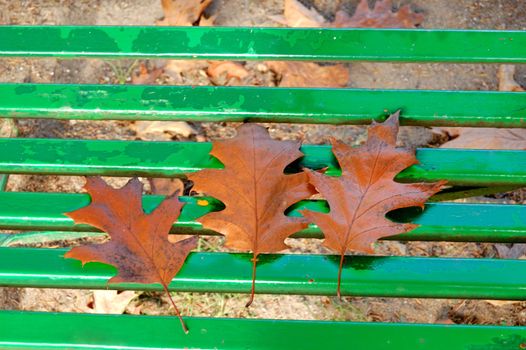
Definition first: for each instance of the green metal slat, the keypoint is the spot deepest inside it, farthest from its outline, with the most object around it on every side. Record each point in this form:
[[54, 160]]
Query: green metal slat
[[460, 192], [439, 221], [378, 276], [94, 332], [172, 159], [298, 105], [3, 182], [404, 45], [29, 238]]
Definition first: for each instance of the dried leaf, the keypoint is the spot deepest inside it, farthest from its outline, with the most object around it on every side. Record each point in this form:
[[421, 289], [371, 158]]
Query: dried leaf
[[166, 186], [302, 74], [175, 68], [139, 246], [255, 191], [366, 191], [207, 22], [158, 130], [489, 138], [298, 15], [381, 16], [506, 78], [111, 301], [162, 130], [227, 69], [515, 251], [182, 12], [7, 128], [485, 138]]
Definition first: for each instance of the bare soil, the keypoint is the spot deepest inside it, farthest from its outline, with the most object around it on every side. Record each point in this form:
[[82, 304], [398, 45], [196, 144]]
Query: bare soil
[[481, 14]]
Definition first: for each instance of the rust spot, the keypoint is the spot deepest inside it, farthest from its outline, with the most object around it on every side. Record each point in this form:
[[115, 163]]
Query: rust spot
[[522, 346]]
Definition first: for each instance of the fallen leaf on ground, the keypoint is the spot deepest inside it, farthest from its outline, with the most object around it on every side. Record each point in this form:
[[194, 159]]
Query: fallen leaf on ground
[[162, 130], [506, 78], [157, 130], [139, 246], [111, 301], [182, 12], [207, 21], [166, 186], [175, 68], [489, 138], [255, 192], [232, 72], [7, 128], [297, 15], [308, 74], [366, 191], [515, 251], [381, 16], [485, 138]]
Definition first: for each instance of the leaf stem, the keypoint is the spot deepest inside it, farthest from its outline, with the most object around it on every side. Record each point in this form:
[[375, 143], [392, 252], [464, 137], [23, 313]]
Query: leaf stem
[[338, 291], [185, 329], [253, 289]]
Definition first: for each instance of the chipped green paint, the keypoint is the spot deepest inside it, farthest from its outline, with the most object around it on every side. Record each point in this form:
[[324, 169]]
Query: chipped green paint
[[298, 105], [28, 238], [378, 276], [231, 43], [438, 222], [172, 159], [459, 192], [126, 332]]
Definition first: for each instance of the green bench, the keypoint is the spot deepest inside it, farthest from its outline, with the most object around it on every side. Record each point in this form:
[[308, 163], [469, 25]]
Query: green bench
[[468, 171]]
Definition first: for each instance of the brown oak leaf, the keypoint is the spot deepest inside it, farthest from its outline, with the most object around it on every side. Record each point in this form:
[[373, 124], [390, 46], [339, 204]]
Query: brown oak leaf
[[489, 138], [366, 191], [227, 73], [255, 192], [182, 12], [297, 15], [381, 16], [139, 246], [302, 74]]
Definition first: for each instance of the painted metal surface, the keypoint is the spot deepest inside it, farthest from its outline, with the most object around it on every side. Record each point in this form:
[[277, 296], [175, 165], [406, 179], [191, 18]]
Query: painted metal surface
[[31, 330], [234, 43], [260, 104], [9, 130], [28, 238], [284, 274], [459, 192], [172, 159], [439, 221], [3, 181]]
